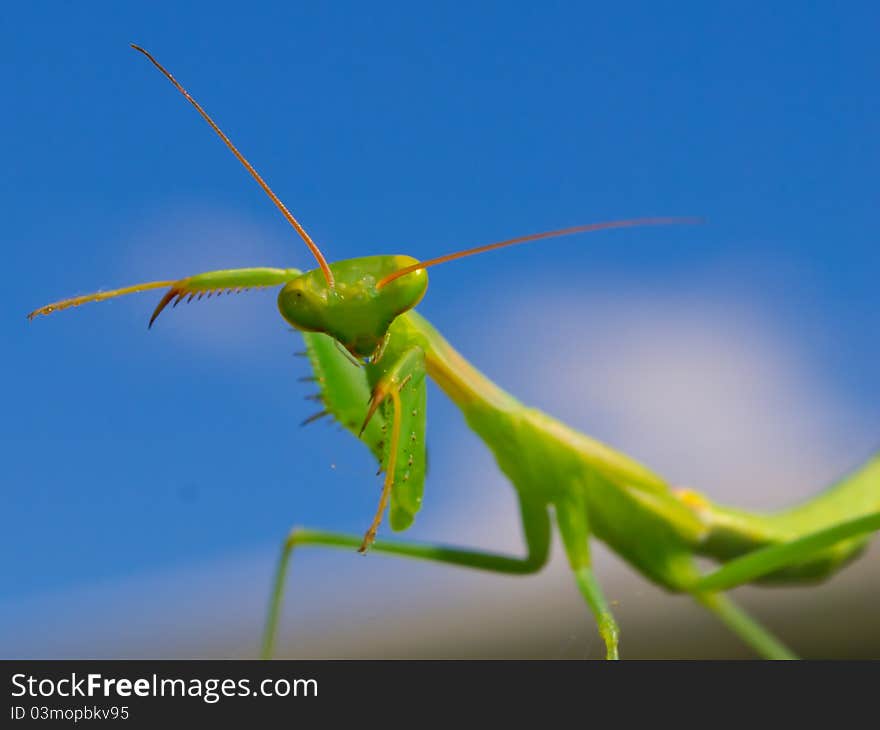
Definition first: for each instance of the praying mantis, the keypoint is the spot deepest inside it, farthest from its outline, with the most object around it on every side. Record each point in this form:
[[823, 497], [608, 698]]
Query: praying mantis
[[371, 355]]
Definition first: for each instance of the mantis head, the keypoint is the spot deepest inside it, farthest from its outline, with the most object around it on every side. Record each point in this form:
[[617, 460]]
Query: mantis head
[[354, 311]]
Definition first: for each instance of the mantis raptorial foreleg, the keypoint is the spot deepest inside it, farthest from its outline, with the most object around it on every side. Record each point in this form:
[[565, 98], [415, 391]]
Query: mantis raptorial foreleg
[[403, 384], [536, 529]]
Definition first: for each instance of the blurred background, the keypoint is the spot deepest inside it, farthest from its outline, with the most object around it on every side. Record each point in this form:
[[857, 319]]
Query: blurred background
[[149, 477]]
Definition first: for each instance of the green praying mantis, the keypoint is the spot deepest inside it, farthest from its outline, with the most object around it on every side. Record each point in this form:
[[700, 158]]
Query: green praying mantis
[[371, 354]]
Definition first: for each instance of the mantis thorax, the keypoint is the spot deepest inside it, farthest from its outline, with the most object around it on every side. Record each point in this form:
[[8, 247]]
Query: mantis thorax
[[354, 310]]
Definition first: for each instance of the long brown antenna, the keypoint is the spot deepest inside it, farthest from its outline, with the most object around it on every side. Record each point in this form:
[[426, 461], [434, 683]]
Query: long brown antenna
[[316, 252], [534, 237]]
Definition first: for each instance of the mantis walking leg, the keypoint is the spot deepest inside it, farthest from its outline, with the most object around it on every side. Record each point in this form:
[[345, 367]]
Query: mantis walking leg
[[536, 528], [762, 562], [744, 626], [571, 514], [759, 563]]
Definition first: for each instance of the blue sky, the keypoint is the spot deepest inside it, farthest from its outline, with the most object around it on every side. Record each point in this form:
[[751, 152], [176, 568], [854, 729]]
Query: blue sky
[[399, 128]]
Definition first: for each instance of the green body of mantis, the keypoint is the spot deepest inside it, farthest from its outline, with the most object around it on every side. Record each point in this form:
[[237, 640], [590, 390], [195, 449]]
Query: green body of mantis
[[371, 353]]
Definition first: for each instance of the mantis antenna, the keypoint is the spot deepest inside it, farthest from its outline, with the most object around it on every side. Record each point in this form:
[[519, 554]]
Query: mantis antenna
[[534, 237], [313, 247]]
